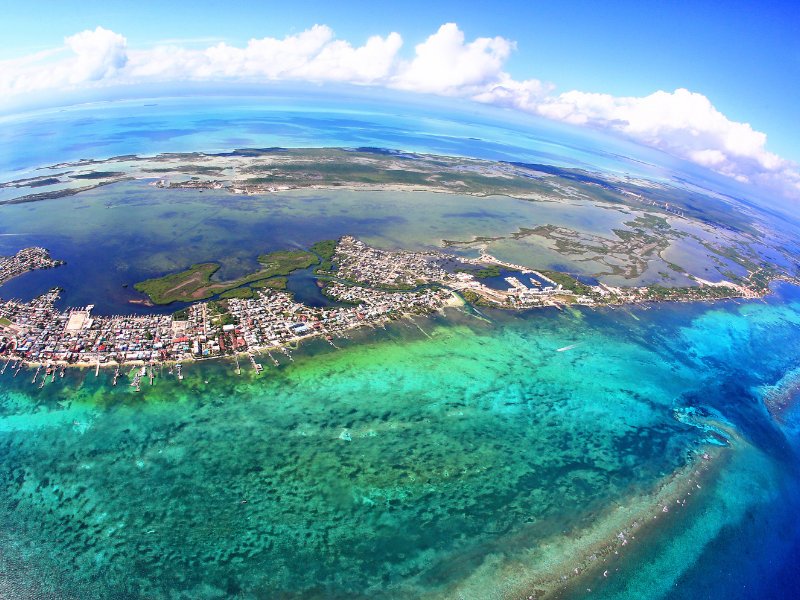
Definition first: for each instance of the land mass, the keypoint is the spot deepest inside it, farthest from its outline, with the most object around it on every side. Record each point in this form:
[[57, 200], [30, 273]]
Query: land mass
[[266, 170], [372, 286], [26, 260], [195, 282]]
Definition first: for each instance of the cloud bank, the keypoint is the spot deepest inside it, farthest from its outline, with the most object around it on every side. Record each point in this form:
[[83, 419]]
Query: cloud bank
[[681, 123]]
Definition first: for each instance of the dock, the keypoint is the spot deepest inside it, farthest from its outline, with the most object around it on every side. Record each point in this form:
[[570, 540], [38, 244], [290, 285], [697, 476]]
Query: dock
[[286, 352], [257, 366], [238, 368], [273, 359]]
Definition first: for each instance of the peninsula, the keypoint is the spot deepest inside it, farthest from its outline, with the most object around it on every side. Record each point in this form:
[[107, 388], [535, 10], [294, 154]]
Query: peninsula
[[195, 282], [26, 260]]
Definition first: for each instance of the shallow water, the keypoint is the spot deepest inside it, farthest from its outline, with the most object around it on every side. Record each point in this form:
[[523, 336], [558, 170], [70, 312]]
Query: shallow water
[[121, 234], [471, 443], [445, 457]]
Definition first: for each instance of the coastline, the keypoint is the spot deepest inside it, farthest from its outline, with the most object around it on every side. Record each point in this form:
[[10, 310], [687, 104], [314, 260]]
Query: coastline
[[454, 301]]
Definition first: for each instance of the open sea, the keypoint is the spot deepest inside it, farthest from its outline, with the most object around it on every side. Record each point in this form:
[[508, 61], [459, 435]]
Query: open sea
[[470, 454]]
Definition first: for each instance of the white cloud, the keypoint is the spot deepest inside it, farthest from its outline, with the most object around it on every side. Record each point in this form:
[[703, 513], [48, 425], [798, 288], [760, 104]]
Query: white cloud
[[312, 55], [101, 53], [682, 123], [446, 65]]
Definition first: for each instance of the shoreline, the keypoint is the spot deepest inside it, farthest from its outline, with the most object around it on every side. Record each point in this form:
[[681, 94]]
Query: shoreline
[[453, 302], [563, 564], [376, 286]]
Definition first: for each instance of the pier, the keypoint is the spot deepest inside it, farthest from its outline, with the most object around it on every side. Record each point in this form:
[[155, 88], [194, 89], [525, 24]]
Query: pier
[[257, 366]]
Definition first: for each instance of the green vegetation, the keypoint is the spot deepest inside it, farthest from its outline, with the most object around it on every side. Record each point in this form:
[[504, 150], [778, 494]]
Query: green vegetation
[[185, 286], [658, 292], [242, 292], [226, 319], [4, 321], [676, 268], [326, 248], [325, 266], [490, 271], [97, 175], [567, 282], [181, 315], [195, 282], [42, 182], [283, 262], [648, 221], [277, 283], [493, 271], [217, 307], [474, 298]]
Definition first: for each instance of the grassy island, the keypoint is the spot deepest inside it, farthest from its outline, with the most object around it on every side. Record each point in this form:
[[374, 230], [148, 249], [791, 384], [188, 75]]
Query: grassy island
[[195, 282]]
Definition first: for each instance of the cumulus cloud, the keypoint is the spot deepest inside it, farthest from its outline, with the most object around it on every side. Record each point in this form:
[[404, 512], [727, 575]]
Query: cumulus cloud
[[100, 53], [682, 123], [312, 55], [446, 65]]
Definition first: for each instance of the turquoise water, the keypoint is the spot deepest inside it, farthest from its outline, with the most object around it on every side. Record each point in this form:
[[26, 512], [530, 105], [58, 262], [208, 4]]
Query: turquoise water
[[465, 455], [440, 458]]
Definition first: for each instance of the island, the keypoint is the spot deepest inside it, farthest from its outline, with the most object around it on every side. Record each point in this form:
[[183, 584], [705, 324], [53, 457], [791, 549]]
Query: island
[[645, 254], [371, 287]]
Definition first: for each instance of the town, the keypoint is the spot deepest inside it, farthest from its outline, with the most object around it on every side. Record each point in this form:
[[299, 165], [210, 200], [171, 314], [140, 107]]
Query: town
[[25, 260], [367, 286]]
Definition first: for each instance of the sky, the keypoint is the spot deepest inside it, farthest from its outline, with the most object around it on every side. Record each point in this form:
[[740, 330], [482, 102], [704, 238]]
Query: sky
[[715, 83]]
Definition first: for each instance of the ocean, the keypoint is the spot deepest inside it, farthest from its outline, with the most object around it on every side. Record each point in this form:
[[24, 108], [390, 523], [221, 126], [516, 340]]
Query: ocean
[[465, 455]]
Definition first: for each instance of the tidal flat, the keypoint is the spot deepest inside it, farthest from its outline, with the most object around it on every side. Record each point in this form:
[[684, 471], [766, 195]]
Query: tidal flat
[[445, 457], [128, 232]]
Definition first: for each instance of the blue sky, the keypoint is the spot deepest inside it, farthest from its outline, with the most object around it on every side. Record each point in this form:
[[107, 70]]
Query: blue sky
[[743, 57]]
